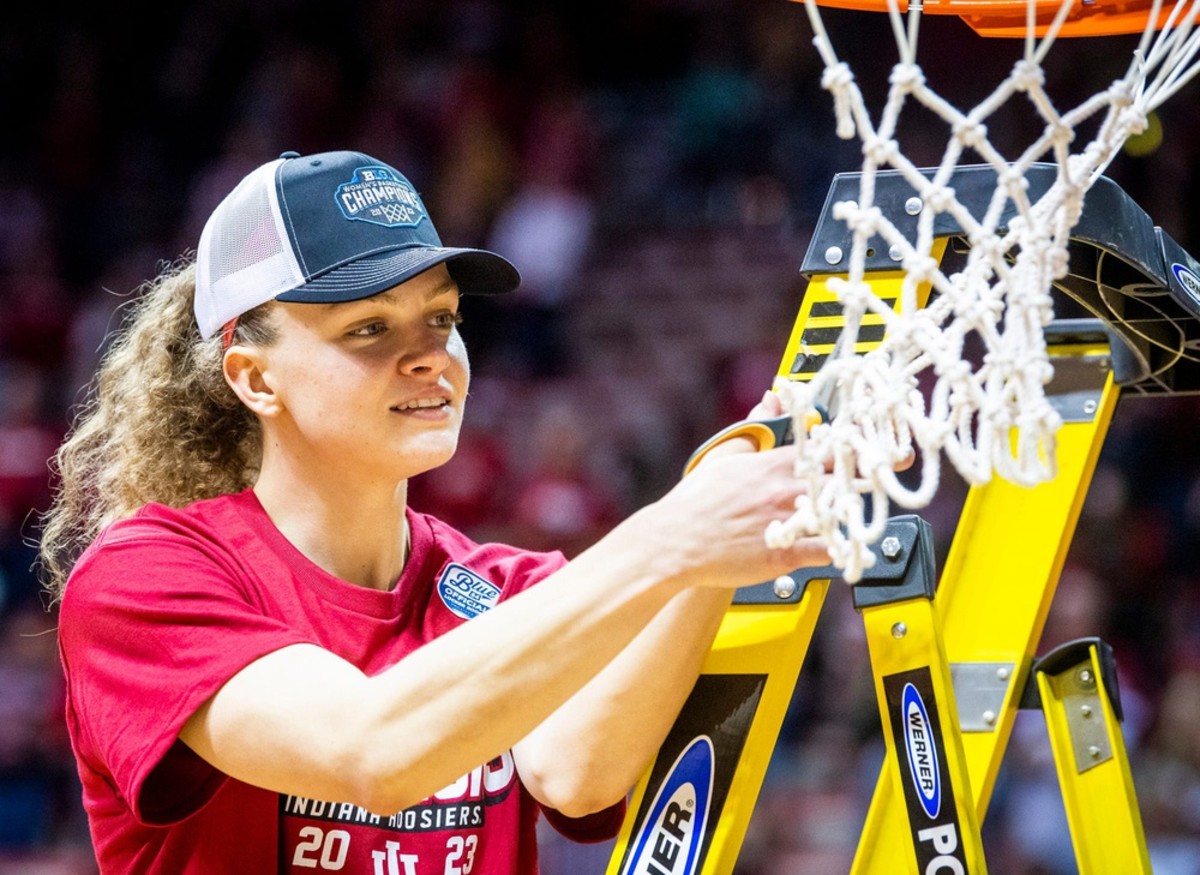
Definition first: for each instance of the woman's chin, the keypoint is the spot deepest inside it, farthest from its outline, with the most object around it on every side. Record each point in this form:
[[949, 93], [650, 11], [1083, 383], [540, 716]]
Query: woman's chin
[[426, 455]]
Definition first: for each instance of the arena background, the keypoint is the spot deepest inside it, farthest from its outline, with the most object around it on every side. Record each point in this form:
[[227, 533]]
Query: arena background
[[654, 167]]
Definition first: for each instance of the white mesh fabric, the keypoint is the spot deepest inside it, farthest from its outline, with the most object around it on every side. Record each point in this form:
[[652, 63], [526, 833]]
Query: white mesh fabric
[[244, 258]]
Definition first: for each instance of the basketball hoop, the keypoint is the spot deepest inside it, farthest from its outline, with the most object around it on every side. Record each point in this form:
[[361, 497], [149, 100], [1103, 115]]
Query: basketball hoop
[[1010, 18], [994, 417]]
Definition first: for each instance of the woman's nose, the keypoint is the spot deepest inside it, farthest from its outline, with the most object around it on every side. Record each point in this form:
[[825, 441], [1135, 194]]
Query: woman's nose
[[425, 352]]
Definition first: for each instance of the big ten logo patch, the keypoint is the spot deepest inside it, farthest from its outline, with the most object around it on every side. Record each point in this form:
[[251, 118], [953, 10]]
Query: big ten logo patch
[[379, 196], [465, 593]]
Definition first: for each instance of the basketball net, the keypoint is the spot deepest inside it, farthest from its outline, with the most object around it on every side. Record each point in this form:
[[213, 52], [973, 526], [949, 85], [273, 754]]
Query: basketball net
[[985, 418]]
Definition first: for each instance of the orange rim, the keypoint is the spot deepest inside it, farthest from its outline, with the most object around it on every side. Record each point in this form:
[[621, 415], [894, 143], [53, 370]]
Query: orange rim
[[1006, 18]]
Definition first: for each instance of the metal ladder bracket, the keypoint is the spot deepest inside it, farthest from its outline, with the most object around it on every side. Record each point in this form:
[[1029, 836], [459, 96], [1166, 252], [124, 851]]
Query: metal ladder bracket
[[904, 565], [1069, 670], [979, 690]]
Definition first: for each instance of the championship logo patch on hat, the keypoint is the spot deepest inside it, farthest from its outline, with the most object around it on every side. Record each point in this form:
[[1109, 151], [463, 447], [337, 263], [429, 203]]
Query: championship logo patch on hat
[[465, 593], [380, 195]]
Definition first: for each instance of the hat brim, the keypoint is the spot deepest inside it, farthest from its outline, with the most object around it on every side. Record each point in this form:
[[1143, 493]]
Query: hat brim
[[475, 271]]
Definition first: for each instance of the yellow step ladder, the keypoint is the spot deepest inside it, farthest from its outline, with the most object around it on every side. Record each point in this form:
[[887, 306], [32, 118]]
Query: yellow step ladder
[[953, 658]]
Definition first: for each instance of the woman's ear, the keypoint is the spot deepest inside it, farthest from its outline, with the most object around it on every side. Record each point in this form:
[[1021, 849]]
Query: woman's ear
[[245, 372]]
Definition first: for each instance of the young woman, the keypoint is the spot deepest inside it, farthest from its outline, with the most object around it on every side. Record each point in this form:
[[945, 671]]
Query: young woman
[[274, 663]]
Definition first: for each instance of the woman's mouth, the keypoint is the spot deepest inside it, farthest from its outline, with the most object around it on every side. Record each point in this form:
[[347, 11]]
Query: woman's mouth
[[426, 407]]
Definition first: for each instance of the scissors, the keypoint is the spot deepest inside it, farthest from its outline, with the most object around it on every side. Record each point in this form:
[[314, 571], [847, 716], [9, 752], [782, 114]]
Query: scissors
[[766, 434]]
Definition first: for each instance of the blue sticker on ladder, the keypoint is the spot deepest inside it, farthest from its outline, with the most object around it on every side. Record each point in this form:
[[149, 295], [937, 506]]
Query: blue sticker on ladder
[[669, 840]]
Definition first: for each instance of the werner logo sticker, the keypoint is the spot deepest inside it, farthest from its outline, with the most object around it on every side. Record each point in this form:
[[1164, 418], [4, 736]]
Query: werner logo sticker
[[922, 751], [465, 593], [923, 771], [694, 776], [380, 196], [1187, 279], [668, 842]]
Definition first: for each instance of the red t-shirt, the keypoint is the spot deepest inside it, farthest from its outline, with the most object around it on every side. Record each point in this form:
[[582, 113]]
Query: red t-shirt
[[165, 607]]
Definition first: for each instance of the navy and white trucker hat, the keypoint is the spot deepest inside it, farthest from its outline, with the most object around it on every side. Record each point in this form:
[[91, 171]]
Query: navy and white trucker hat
[[335, 226]]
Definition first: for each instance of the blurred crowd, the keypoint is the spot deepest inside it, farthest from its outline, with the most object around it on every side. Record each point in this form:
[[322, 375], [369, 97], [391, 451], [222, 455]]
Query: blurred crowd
[[654, 167]]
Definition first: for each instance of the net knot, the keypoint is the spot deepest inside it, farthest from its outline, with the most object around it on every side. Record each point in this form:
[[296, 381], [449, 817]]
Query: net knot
[[1119, 94], [1058, 261], [983, 312], [1003, 361], [991, 248], [859, 220], [920, 266], [837, 77], [856, 296], [837, 80], [970, 133], [1028, 75], [953, 371], [1134, 120], [842, 210], [1012, 180], [1030, 420], [880, 150], [1060, 134], [940, 198], [907, 77]]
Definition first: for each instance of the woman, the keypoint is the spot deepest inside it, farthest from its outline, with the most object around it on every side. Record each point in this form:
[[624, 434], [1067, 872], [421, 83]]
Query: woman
[[274, 664]]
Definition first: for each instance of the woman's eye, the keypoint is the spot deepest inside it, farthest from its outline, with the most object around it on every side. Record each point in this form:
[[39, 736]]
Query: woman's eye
[[447, 320], [368, 330]]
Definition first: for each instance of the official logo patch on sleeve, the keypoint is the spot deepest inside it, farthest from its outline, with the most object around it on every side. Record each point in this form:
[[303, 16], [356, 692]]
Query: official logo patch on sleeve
[[465, 593]]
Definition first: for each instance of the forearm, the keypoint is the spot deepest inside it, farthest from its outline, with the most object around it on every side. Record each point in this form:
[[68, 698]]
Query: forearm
[[464, 698], [614, 674], [390, 740], [591, 751], [468, 696]]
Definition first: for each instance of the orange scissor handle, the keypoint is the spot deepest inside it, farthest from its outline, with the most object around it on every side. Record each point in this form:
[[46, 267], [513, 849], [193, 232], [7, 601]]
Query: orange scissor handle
[[766, 434]]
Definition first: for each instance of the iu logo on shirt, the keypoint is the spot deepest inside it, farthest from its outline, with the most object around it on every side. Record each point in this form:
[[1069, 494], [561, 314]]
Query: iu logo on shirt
[[442, 834]]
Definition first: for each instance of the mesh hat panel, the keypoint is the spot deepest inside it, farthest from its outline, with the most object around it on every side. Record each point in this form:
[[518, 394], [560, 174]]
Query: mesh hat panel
[[243, 259]]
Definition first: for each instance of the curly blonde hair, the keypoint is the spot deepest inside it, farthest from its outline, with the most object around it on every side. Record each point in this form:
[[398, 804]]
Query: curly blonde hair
[[158, 423]]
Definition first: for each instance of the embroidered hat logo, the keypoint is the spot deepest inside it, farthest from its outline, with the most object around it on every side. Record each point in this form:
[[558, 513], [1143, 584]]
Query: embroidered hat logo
[[379, 195]]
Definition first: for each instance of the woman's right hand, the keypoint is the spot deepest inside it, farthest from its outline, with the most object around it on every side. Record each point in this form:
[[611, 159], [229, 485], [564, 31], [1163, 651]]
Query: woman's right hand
[[716, 517]]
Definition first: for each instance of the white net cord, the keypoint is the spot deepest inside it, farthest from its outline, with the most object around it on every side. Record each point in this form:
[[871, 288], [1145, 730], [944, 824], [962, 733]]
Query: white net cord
[[989, 418]]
